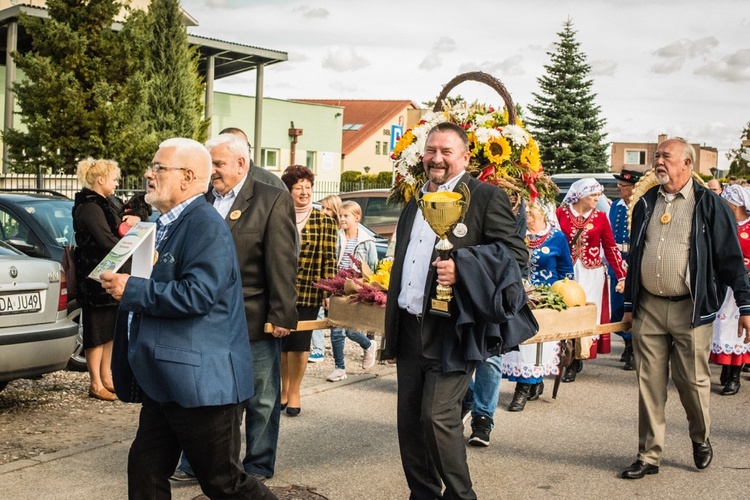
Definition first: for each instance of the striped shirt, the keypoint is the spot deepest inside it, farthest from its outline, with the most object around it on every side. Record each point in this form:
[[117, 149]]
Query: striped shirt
[[664, 267], [346, 260]]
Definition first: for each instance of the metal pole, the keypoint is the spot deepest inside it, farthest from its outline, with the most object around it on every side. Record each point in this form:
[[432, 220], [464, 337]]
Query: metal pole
[[258, 114], [209, 108], [10, 77], [539, 353]]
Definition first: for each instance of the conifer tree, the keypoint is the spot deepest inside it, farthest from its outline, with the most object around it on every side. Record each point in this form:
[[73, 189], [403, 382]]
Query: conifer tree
[[565, 120], [740, 157], [82, 90], [175, 85]]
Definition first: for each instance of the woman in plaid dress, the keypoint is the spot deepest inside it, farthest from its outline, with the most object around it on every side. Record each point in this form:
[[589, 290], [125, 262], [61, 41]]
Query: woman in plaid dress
[[317, 260]]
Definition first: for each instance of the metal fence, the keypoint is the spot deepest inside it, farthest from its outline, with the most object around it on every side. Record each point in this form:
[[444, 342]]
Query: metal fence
[[68, 185], [322, 189]]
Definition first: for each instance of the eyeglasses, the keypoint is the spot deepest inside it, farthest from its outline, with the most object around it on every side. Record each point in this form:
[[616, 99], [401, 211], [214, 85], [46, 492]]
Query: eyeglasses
[[157, 168], [621, 186]]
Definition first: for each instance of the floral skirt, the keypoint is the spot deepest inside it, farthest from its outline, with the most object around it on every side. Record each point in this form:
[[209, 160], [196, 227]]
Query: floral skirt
[[520, 366], [727, 348]]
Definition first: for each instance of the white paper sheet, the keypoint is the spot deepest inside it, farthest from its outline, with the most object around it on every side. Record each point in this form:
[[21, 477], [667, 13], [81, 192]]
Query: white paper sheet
[[138, 243]]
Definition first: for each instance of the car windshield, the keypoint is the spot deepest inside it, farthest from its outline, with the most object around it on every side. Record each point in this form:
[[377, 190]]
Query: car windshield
[[371, 233], [55, 216]]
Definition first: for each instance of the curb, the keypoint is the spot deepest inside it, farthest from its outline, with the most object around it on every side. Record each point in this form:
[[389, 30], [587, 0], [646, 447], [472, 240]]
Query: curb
[[351, 379], [66, 452]]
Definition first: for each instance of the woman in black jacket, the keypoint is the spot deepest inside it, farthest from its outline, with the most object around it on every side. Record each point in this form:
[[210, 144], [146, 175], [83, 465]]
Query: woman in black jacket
[[96, 217]]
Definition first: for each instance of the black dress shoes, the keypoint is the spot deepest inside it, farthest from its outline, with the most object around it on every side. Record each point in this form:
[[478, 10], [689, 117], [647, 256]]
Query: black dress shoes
[[292, 411], [569, 375], [639, 469], [702, 454]]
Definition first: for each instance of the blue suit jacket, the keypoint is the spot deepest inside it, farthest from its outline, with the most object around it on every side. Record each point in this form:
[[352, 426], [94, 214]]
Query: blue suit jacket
[[188, 336]]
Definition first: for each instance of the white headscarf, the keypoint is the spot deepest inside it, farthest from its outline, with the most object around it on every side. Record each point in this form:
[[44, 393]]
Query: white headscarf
[[737, 195], [582, 188]]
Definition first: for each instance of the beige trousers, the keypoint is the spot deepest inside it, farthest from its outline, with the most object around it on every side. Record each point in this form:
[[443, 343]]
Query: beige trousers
[[664, 339]]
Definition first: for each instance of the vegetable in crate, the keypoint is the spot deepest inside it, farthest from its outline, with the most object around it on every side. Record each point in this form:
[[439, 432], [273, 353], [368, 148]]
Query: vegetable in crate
[[541, 297]]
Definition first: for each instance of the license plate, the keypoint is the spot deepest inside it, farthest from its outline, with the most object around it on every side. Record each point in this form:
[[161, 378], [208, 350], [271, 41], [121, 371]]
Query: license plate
[[20, 303]]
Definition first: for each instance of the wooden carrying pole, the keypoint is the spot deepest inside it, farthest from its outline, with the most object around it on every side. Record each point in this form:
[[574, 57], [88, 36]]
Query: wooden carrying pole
[[539, 337]]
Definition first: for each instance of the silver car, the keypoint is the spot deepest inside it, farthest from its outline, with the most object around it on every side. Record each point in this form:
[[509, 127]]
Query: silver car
[[36, 336]]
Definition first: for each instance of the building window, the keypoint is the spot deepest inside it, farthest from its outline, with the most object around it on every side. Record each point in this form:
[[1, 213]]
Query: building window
[[310, 160], [269, 158], [377, 147], [635, 157], [385, 148], [352, 126]]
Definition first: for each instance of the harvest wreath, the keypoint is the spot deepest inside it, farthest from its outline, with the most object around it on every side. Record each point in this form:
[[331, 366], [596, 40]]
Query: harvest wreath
[[503, 152]]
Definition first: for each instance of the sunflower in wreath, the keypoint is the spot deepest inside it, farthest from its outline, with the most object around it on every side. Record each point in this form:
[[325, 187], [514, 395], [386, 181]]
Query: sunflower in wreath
[[502, 154]]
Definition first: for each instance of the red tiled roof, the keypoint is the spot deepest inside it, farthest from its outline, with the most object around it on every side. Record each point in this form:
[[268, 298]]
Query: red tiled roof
[[373, 115]]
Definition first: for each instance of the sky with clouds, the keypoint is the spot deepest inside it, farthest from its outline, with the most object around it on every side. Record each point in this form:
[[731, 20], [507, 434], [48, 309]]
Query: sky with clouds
[[675, 67]]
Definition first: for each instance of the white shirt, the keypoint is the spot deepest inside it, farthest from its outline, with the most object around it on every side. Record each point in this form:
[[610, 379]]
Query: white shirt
[[418, 258], [222, 204]]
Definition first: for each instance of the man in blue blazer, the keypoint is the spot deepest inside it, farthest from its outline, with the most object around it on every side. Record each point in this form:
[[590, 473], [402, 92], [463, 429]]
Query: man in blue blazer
[[261, 220], [182, 338]]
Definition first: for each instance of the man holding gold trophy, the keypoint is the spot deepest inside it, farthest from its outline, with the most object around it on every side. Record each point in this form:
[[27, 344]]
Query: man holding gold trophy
[[434, 364]]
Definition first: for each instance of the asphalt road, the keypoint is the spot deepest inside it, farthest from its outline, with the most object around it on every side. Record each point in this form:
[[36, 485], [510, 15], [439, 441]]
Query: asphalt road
[[344, 445]]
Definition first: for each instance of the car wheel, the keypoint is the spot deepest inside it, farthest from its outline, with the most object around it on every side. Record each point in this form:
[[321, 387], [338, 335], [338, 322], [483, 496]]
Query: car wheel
[[77, 362]]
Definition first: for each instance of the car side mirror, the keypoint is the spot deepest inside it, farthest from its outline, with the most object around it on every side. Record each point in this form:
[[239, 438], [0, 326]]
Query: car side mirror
[[25, 247]]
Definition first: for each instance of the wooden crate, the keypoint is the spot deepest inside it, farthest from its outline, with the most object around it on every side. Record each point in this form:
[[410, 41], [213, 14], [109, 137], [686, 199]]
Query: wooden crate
[[570, 323], [574, 322]]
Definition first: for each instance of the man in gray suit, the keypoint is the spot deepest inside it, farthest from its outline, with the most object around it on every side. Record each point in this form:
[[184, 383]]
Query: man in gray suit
[[261, 220]]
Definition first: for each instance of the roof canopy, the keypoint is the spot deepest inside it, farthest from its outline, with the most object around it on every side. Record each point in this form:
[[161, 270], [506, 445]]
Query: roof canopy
[[229, 58]]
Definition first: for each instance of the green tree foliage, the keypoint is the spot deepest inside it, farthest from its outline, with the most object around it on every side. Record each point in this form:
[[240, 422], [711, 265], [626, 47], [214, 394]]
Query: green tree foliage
[[384, 177], [350, 176], [740, 166], [175, 85], [82, 93], [565, 120], [352, 180]]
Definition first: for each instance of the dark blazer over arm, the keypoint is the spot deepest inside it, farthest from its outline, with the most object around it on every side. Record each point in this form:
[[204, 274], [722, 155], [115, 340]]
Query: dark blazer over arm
[[489, 218]]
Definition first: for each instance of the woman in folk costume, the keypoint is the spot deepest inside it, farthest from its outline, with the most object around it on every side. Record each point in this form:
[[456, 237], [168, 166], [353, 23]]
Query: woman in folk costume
[[589, 236], [727, 349], [549, 262]]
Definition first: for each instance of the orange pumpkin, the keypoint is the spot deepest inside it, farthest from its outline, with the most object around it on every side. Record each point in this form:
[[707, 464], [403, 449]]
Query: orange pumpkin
[[572, 293]]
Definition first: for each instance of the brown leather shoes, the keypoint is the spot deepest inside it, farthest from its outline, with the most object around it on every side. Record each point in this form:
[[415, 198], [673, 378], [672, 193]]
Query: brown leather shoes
[[102, 394], [639, 469]]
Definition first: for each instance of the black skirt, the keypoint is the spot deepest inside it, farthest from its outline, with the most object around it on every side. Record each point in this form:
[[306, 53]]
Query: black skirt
[[98, 325], [300, 341]]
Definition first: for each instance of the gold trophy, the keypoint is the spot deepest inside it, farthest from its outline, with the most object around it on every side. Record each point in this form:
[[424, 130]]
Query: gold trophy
[[443, 210]]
